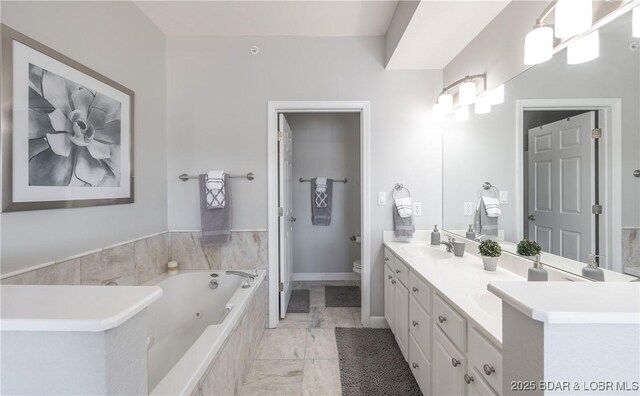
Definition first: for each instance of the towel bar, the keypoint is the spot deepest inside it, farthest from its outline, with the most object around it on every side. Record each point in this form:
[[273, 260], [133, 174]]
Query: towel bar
[[335, 180], [248, 176]]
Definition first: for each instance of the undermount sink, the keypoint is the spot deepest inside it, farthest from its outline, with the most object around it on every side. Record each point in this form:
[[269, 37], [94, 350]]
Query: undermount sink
[[426, 251], [486, 301]]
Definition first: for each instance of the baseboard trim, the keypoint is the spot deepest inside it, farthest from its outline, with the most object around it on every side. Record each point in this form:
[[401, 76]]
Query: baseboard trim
[[378, 322], [325, 276]]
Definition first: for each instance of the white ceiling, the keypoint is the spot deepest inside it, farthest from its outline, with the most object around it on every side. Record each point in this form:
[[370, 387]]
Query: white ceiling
[[270, 18], [439, 30]]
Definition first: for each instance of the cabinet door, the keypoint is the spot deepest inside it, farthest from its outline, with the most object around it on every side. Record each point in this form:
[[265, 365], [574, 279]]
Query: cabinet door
[[389, 287], [449, 367], [401, 313]]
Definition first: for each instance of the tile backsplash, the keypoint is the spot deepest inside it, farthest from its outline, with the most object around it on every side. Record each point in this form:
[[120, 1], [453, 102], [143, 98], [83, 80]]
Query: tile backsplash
[[137, 262]]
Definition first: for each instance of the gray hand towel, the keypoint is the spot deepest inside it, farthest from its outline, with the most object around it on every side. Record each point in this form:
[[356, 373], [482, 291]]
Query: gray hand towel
[[215, 222], [403, 225], [485, 225], [321, 204]]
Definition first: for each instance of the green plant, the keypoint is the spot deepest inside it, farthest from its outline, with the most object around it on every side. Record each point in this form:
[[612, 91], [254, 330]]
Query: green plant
[[490, 248], [528, 248]]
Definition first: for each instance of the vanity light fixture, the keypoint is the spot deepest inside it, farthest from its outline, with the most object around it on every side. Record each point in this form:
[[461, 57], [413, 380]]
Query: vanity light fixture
[[445, 102], [467, 93], [635, 22], [585, 49], [538, 44], [461, 113], [573, 17]]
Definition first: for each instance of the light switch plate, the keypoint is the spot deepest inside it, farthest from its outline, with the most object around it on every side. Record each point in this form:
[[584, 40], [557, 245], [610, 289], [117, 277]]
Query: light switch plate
[[417, 208], [468, 208], [382, 198], [504, 197]]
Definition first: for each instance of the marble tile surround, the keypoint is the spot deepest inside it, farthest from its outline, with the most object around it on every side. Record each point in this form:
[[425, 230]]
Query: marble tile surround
[[138, 262], [631, 247]]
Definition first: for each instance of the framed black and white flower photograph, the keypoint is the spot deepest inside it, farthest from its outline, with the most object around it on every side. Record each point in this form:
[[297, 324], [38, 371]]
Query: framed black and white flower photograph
[[67, 131]]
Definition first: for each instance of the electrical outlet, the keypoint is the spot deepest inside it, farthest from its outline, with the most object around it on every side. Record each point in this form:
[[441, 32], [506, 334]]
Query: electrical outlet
[[382, 198], [417, 208], [468, 208], [504, 197]]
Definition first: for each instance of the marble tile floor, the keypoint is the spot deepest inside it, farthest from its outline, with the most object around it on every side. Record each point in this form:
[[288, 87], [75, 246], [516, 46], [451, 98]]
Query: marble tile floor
[[300, 357]]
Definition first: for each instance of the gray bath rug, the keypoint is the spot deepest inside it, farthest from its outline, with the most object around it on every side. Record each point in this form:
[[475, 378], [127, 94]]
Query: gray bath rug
[[342, 296], [299, 302], [371, 364]]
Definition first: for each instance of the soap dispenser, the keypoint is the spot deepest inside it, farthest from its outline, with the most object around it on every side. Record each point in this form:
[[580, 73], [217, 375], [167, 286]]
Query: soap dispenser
[[435, 236], [471, 234], [537, 273], [592, 271]]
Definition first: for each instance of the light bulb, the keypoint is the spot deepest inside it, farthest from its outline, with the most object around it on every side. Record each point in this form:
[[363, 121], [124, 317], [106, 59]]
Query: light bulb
[[483, 104], [496, 95], [446, 101], [461, 113], [538, 45], [573, 17], [635, 22], [467, 93], [584, 49]]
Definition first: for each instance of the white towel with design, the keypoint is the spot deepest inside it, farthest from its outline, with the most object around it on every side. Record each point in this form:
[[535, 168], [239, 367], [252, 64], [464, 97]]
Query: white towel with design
[[404, 207]]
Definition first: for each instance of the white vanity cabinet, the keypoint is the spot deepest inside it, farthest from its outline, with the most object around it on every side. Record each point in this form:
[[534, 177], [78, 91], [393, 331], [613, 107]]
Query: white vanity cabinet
[[447, 353]]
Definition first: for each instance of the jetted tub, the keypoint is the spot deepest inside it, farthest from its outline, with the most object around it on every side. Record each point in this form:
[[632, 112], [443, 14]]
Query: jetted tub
[[189, 324]]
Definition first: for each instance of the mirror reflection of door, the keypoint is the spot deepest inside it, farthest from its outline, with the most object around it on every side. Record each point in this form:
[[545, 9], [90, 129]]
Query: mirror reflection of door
[[562, 182]]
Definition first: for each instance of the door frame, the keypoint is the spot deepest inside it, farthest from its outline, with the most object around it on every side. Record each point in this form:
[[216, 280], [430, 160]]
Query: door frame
[[361, 107], [610, 159]]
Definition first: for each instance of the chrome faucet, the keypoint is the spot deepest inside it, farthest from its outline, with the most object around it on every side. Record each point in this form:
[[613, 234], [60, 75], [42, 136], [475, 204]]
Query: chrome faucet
[[449, 244], [242, 274]]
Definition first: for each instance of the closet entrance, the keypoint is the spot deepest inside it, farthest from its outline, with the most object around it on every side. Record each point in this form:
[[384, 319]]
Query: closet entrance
[[318, 217]]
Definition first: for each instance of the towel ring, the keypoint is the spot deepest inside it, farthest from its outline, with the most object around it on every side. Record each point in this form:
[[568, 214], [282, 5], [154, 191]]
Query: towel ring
[[399, 187], [486, 186]]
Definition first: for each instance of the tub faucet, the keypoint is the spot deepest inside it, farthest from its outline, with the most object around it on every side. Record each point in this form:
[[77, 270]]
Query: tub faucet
[[242, 274], [449, 244]]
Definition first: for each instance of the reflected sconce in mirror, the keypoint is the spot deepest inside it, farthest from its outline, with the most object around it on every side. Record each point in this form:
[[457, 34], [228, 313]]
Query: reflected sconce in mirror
[[467, 88], [573, 17]]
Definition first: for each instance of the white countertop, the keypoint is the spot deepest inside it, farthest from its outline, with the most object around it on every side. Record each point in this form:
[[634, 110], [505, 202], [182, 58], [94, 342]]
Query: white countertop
[[71, 308], [463, 282], [573, 302]]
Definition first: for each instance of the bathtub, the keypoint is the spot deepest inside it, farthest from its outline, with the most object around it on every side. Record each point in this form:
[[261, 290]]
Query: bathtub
[[189, 324]]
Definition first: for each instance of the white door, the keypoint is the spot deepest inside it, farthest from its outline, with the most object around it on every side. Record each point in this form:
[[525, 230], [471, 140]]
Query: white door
[[561, 184], [285, 180]]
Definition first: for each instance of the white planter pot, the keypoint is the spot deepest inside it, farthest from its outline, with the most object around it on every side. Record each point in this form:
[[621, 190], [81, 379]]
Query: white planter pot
[[490, 263]]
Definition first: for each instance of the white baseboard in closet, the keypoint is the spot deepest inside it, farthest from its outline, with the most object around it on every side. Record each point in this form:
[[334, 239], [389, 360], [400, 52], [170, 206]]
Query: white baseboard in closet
[[325, 276]]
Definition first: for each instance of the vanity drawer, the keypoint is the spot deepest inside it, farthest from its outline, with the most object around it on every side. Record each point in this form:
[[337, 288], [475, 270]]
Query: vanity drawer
[[450, 321], [421, 291], [479, 387], [420, 326], [420, 366], [402, 271], [486, 358], [388, 258]]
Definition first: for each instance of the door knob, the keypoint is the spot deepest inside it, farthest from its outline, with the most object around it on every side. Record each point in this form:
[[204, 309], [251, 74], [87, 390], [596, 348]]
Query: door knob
[[531, 217], [292, 219]]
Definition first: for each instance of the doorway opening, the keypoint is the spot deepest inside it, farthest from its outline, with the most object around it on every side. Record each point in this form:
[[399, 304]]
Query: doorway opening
[[318, 231], [567, 152]]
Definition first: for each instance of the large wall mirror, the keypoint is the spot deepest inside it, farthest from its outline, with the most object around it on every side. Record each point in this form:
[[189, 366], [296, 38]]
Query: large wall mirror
[[561, 155]]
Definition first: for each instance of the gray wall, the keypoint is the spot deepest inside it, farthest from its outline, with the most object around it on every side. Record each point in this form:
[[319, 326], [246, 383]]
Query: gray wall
[[487, 142], [117, 40], [217, 101], [326, 144]]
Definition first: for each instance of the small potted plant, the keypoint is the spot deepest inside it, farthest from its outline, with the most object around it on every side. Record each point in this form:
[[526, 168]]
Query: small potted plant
[[490, 251], [528, 249]]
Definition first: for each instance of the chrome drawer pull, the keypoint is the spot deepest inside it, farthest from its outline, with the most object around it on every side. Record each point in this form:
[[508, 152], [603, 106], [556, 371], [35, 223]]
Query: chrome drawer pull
[[415, 289], [455, 362], [415, 365], [488, 369], [397, 271], [393, 281], [442, 319], [386, 259], [390, 276], [468, 379], [415, 323]]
